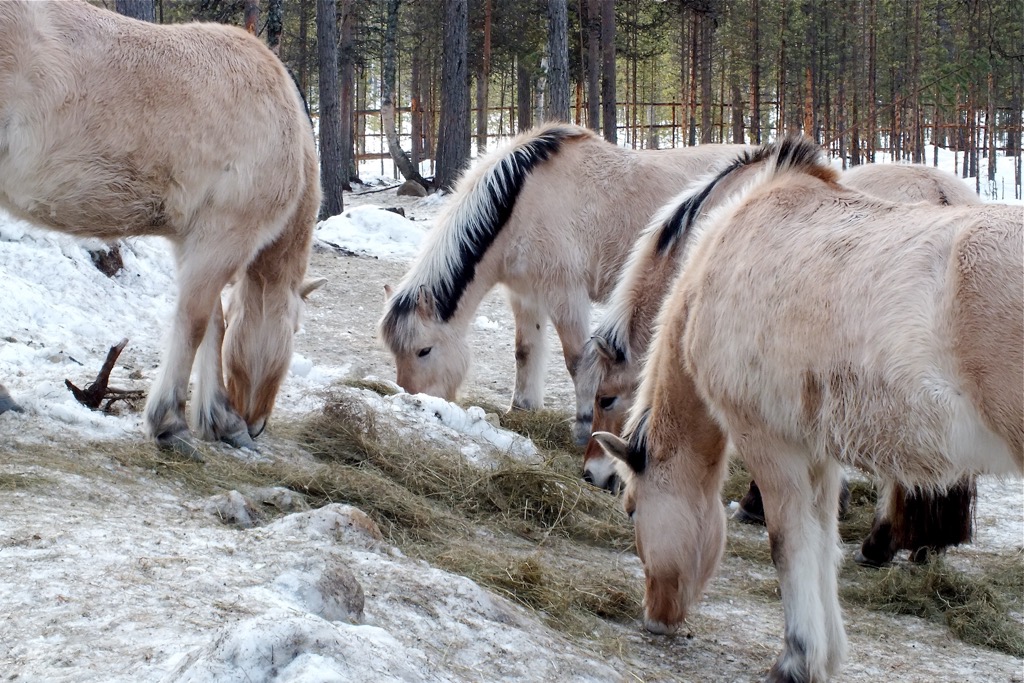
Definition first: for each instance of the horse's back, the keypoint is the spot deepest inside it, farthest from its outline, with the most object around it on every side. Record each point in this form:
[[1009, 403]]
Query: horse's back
[[910, 183], [116, 127], [822, 315]]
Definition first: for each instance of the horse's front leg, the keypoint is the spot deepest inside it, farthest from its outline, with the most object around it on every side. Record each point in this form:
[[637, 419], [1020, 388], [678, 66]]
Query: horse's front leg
[[212, 415], [531, 352], [800, 504], [203, 271]]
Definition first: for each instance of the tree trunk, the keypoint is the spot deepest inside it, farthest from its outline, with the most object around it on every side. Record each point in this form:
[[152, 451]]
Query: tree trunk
[[915, 84], [755, 74], [346, 94], [387, 97], [558, 60], [524, 97], [608, 89], [737, 111], [482, 82], [453, 129], [707, 32], [594, 64], [872, 134], [331, 170], [144, 10], [304, 48], [416, 108], [252, 15], [275, 24]]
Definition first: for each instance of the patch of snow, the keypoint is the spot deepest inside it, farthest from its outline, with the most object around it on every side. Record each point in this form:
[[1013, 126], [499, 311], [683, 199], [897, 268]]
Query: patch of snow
[[374, 231], [483, 323]]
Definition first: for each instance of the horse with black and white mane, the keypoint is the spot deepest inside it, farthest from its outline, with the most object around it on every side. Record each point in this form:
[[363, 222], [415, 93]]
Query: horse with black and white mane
[[814, 327], [551, 216], [609, 366], [112, 127]]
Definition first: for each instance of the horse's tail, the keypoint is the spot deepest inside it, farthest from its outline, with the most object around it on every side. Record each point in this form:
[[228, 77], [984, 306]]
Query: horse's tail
[[483, 203], [794, 153]]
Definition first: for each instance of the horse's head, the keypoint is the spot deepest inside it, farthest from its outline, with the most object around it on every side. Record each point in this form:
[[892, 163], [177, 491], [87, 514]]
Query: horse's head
[[615, 377], [261, 319], [431, 354], [672, 496]]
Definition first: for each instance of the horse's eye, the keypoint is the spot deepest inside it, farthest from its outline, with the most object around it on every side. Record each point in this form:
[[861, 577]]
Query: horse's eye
[[606, 402], [423, 352], [631, 512]]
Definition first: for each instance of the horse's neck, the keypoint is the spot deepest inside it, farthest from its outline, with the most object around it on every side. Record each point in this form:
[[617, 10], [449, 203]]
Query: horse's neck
[[679, 415], [648, 296], [484, 280]]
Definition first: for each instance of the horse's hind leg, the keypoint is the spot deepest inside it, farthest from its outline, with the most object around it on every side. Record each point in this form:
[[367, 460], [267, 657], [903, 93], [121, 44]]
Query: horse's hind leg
[[203, 271], [213, 418], [531, 352]]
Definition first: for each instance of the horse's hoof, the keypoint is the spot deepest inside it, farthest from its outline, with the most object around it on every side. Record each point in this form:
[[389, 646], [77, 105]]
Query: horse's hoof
[[256, 428], [746, 517], [180, 443], [239, 439], [869, 562], [924, 554], [8, 403]]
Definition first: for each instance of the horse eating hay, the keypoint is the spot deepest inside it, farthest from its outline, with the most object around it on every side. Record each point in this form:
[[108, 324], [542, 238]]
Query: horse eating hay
[[551, 216], [921, 521], [811, 332], [111, 127], [609, 364]]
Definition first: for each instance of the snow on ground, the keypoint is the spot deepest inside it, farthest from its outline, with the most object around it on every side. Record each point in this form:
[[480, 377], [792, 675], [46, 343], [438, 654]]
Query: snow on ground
[[115, 575], [372, 230]]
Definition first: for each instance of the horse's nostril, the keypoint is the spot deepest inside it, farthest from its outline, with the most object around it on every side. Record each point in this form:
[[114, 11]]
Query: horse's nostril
[[588, 477]]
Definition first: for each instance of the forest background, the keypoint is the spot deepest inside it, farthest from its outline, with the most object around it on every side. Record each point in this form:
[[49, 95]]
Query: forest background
[[431, 83]]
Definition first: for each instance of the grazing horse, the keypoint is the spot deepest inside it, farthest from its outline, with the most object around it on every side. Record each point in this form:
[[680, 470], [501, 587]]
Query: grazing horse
[[609, 364], [813, 326], [551, 216], [111, 127]]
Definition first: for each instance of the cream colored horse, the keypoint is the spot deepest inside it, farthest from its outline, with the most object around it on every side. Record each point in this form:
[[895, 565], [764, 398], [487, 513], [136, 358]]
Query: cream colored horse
[[813, 327], [111, 127], [609, 365], [551, 216]]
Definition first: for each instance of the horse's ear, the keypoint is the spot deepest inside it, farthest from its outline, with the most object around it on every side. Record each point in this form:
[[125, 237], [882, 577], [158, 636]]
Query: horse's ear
[[310, 285], [613, 445], [425, 303], [388, 293], [610, 353]]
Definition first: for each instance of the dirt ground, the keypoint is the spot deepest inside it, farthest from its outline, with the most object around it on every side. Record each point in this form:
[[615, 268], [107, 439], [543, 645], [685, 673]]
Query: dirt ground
[[735, 634]]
